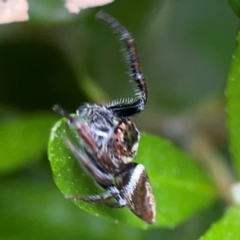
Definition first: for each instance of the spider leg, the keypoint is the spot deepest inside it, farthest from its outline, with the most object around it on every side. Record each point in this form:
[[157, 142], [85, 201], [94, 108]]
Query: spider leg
[[98, 198], [79, 125], [85, 134], [101, 177], [92, 199], [131, 108], [114, 204], [61, 111], [112, 192]]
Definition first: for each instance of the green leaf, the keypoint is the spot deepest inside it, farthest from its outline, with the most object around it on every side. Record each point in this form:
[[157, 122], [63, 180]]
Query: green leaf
[[49, 11], [227, 228], [179, 186], [235, 5], [233, 107], [23, 139]]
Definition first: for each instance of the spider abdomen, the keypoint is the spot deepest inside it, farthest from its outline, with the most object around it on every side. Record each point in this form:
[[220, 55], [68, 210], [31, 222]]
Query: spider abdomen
[[135, 188]]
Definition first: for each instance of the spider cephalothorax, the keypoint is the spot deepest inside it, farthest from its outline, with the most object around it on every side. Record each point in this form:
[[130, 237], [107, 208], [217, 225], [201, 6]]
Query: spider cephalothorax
[[110, 142]]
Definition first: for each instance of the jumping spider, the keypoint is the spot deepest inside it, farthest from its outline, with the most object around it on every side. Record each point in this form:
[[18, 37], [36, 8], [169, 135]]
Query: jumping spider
[[110, 142]]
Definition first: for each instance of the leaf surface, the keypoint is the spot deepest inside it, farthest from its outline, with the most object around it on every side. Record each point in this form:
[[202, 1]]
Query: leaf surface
[[227, 228], [180, 187], [233, 107]]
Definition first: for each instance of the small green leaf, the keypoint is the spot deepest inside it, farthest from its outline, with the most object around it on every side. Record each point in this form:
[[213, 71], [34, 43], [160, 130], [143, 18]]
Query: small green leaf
[[233, 106], [235, 5], [227, 228], [179, 186], [23, 139]]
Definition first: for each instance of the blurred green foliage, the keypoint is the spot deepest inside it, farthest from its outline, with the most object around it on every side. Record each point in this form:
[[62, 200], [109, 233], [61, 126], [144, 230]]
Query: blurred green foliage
[[235, 5], [19, 133], [227, 227], [233, 107], [185, 49]]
